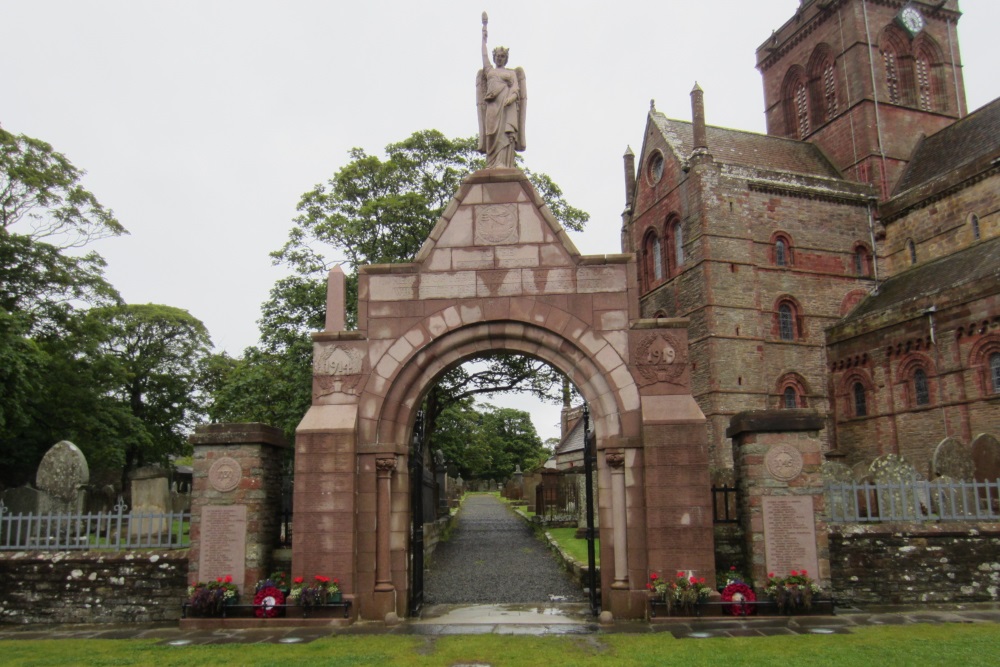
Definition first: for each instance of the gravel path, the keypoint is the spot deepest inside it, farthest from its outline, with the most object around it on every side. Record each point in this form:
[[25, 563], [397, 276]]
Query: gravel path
[[494, 557]]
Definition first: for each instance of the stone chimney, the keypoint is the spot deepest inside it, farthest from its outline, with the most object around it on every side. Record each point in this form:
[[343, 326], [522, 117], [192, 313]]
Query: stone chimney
[[698, 120]]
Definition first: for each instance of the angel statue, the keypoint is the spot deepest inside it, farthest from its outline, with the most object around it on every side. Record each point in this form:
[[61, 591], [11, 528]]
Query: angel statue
[[502, 98]]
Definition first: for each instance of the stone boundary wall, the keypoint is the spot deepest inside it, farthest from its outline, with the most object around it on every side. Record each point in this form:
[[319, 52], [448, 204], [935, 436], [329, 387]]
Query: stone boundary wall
[[911, 563], [92, 587]]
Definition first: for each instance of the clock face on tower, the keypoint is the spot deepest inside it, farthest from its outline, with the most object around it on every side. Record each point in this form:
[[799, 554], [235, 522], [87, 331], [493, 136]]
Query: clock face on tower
[[911, 19]]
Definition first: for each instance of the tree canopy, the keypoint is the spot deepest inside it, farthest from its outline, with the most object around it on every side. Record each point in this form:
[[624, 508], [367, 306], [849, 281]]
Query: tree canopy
[[487, 442]]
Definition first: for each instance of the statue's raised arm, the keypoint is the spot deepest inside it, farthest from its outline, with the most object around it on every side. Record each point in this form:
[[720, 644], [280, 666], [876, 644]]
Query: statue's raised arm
[[502, 99]]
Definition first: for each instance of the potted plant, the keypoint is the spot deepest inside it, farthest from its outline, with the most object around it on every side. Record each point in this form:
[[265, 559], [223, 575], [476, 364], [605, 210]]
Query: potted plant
[[796, 591], [682, 594], [211, 598], [323, 590]]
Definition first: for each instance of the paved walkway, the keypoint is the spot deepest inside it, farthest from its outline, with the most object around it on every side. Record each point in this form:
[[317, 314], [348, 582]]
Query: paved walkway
[[493, 557]]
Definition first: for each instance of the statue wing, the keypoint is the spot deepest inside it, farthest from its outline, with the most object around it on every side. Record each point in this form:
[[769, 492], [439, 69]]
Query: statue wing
[[481, 109], [522, 137]]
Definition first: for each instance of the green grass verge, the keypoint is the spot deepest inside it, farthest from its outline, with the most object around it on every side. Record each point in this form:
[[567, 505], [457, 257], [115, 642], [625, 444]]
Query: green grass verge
[[950, 644], [574, 546]]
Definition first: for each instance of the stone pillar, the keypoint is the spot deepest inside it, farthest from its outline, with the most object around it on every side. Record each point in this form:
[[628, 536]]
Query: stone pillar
[[383, 555], [778, 456], [616, 462], [235, 502]]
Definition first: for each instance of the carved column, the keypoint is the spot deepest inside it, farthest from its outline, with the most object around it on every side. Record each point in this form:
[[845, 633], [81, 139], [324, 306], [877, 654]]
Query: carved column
[[383, 562], [616, 462]]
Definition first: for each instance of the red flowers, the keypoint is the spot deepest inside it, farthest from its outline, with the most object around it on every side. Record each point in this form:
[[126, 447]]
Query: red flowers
[[321, 579], [654, 576], [297, 580], [228, 579]]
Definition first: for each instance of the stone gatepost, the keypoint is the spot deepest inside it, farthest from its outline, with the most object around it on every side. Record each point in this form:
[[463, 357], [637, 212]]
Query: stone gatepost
[[235, 502], [778, 456]]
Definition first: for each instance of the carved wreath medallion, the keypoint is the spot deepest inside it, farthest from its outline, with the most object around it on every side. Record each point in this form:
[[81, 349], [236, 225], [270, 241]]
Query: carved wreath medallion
[[496, 223], [225, 474], [658, 359], [783, 462]]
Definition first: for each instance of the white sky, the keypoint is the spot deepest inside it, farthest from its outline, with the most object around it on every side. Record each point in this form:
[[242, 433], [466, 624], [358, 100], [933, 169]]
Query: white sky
[[202, 122]]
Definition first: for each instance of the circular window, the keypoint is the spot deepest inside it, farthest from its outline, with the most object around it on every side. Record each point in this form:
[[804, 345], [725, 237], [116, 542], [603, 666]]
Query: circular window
[[654, 170]]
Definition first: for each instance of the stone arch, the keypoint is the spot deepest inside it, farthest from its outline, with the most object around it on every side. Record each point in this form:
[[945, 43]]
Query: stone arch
[[930, 74], [795, 103], [823, 84], [897, 65], [598, 378]]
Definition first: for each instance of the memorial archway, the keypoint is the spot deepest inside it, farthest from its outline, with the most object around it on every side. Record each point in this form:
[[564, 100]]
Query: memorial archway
[[499, 273]]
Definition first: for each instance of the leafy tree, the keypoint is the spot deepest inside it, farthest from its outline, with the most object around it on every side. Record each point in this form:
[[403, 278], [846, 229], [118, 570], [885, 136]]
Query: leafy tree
[[487, 442], [153, 356]]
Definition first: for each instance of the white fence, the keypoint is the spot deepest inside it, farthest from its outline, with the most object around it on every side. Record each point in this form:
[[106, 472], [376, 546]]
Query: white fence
[[913, 500], [118, 529]]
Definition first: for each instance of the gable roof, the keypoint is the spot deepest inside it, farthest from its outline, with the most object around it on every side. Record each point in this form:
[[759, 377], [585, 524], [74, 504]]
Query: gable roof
[[979, 263], [964, 141], [747, 149]]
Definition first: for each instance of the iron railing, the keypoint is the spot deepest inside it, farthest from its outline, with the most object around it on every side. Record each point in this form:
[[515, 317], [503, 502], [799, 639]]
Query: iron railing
[[114, 530], [913, 500]]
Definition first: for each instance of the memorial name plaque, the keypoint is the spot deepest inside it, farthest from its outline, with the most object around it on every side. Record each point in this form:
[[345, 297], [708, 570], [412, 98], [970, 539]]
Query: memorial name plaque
[[223, 543], [790, 535]]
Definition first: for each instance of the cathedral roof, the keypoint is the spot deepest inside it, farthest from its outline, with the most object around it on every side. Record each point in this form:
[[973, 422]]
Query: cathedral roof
[[913, 288], [748, 149], [963, 142]]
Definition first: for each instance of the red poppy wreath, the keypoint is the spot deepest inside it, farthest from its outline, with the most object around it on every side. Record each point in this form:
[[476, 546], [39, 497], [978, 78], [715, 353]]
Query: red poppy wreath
[[268, 601], [739, 592]]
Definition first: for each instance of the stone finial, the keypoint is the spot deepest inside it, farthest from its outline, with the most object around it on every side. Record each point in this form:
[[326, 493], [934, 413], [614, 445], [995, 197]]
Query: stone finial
[[652, 105], [336, 300], [629, 164]]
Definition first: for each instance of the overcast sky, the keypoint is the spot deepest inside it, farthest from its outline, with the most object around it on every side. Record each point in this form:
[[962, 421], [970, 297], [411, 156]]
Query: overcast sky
[[202, 122]]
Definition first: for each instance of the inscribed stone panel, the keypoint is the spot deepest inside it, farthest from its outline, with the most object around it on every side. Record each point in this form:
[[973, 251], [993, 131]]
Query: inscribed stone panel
[[789, 535], [496, 224], [499, 283], [517, 257], [549, 281], [448, 285], [392, 288], [223, 542], [600, 279], [469, 259]]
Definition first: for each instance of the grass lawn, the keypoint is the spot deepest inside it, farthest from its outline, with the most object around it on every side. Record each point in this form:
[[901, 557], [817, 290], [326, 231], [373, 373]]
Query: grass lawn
[[951, 644], [574, 546]]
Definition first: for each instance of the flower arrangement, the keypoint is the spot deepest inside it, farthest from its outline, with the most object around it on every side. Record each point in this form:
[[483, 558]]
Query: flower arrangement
[[736, 588], [209, 599], [268, 601], [277, 580], [320, 592], [791, 592], [683, 592]]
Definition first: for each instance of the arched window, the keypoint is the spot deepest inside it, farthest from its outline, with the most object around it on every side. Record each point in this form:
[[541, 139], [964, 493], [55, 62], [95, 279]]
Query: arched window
[[995, 371], [654, 258], [795, 102], [786, 322], [912, 248], [657, 259], [921, 392], [678, 245], [974, 220], [860, 402], [802, 109], [862, 261], [780, 253], [790, 398]]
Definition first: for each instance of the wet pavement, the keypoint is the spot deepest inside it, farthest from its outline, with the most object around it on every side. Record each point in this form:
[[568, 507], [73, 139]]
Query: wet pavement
[[527, 619]]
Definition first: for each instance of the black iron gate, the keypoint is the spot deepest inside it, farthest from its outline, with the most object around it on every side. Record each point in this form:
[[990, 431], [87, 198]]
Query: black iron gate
[[417, 514], [589, 461]]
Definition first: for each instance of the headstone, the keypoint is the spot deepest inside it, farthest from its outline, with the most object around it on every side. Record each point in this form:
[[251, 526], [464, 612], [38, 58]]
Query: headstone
[[953, 459], [896, 503], [986, 458], [150, 496], [838, 504], [62, 473], [26, 500]]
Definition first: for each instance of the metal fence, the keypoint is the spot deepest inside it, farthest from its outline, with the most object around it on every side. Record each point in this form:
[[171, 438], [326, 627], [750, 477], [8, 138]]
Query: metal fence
[[116, 530], [913, 500]]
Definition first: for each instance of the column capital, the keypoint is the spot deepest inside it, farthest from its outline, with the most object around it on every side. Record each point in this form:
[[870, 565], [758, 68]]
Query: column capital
[[615, 460], [385, 465]]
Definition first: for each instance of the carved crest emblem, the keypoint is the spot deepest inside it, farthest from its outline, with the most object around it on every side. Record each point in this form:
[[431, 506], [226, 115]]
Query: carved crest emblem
[[658, 358], [225, 474], [496, 223], [783, 462]]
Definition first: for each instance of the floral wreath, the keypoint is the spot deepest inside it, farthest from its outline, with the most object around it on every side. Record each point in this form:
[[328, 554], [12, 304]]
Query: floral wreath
[[739, 592], [268, 601]]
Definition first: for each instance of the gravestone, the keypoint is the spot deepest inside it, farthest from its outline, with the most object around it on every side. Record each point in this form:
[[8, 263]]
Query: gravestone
[[838, 504], [150, 496], [61, 474], [954, 460], [893, 469], [986, 458]]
